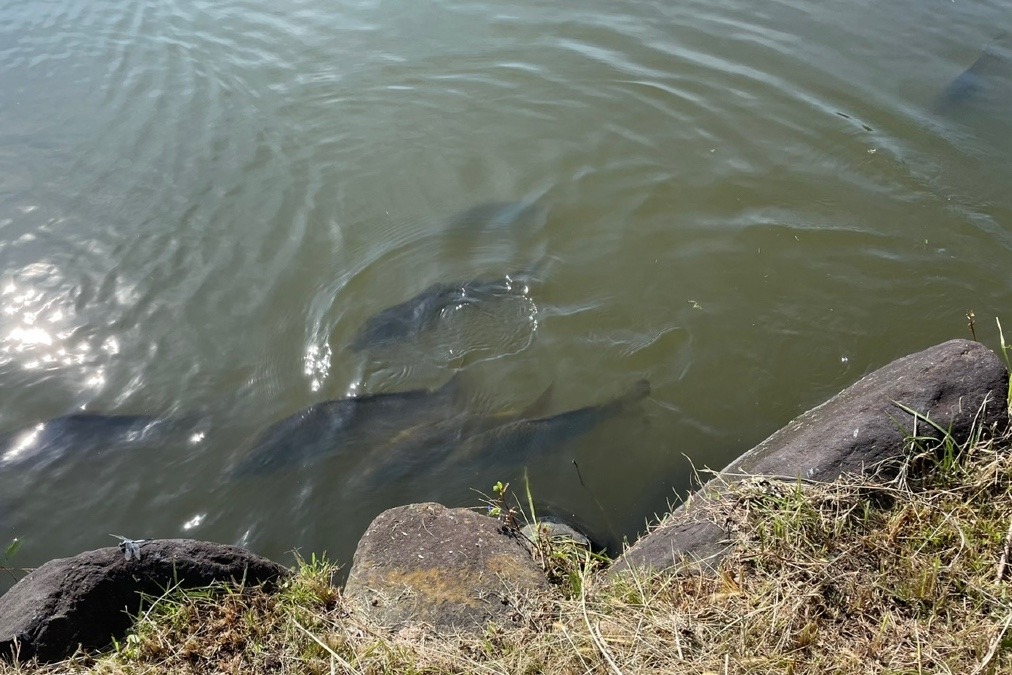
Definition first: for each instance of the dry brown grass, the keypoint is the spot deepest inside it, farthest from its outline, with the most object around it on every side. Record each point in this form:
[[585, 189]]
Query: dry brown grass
[[912, 576]]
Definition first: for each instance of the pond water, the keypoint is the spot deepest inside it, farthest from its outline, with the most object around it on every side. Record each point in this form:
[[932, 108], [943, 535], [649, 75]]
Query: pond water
[[202, 204]]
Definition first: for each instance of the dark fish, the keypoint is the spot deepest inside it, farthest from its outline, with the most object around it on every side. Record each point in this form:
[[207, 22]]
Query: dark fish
[[393, 435], [519, 440], [492, 440], [995, 60], [427, 443], [411, 318], [83, 434], [344, 426]]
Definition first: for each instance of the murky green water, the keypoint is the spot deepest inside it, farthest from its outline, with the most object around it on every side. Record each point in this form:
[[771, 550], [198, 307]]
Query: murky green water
[[201, 203]]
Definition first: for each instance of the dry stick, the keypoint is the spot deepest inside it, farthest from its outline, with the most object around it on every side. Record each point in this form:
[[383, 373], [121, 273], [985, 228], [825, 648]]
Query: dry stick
[[1004, 554]]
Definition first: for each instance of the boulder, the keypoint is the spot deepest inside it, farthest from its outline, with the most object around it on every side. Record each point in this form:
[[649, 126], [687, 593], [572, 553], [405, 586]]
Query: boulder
[[448, 568], [91, 598], [954, 385]]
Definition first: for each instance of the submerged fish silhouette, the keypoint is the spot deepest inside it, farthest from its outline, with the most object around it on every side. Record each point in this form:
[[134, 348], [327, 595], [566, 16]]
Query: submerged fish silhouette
[[518, 440], [995, 60], [83, 434], [492, 439], [344, 425], [411, 318], [391, 435]]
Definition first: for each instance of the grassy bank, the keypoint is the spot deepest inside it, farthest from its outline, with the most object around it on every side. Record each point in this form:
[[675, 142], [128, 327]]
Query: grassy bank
[[913, 576]]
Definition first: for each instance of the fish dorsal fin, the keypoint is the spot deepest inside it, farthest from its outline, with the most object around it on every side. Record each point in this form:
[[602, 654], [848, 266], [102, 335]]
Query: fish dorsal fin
[[539, 408]]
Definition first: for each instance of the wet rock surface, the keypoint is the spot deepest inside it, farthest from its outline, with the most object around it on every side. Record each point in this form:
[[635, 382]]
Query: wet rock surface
[[954, 385], [88, 599], [448, 568]]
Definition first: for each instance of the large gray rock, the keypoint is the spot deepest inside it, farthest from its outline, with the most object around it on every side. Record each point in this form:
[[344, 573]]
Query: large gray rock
[[89, 599], [954, 384], [449, 568]]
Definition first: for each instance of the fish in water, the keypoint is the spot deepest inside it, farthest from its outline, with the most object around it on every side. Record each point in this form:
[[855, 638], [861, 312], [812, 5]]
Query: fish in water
[[344, 425], [408, 320], [519, 440], [393, 434], [994, 61], [84, 434], [493, 440]]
